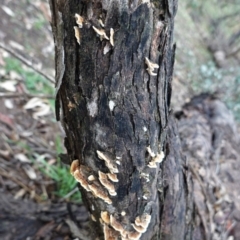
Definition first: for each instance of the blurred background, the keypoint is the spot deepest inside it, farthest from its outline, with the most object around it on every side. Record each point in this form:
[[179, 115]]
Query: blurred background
[[34, 183]]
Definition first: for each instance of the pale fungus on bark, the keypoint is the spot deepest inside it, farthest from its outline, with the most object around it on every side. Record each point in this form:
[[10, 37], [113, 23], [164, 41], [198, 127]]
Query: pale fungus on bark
[[139, 228], [98, 192], [108, 161], [106, 183], [123, 213], [111, 36], [77, 34], [134, 235], [101, 23], [143, 220], [74, 166], [151, 153], [109, 233], [112, 177], [105, 217], [80, 178], [115, 224], [93, 218], [91, 178], [101, 32], [79, 20], [151, 67]]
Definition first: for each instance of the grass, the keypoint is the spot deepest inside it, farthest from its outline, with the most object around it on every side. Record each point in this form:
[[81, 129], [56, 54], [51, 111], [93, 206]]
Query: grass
[[59, 173]]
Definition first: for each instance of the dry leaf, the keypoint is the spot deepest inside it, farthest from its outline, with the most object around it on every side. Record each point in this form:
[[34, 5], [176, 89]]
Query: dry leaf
[[22, 158], [30, 172], [9, 85]]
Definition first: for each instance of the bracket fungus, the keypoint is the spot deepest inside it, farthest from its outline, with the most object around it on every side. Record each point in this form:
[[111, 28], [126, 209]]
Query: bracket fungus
[[98, 192], [80, 178], [111, 165], [106, 183], [157, 159], [143, 220], [109, 233], [77, 34], [112, 177], [105, 217], [151, 67], [79, 20], [111, 36], [101, 33], [116, 225], [74, 166]]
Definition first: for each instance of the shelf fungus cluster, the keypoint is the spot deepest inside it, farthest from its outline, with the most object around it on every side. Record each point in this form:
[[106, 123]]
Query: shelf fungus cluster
[[102, 34], [88, 181], [155, 158], [151, 67], [114, 228]]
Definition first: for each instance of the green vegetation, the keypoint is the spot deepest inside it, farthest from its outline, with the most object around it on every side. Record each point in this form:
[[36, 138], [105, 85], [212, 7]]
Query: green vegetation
[[61, 175], [58, 172], [199, 27]]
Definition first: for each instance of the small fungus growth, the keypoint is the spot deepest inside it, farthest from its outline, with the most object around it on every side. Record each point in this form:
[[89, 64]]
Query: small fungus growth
[[111, 36], [79, 20], [77, 34], [101, 33], [151, 67]]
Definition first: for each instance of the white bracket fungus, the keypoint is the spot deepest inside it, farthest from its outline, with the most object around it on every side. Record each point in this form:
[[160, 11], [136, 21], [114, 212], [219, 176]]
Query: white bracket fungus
[[77, 34], [101, 33], [151, 67], [79, 20]]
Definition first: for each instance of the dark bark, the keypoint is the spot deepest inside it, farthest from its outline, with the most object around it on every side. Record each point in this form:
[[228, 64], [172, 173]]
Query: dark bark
[[108, 102]]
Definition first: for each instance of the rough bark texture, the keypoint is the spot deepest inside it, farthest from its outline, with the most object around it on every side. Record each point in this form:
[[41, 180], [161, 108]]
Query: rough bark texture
[[108, 102]]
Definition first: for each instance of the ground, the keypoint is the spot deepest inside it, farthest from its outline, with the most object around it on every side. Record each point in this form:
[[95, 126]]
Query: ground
[[37, 201]]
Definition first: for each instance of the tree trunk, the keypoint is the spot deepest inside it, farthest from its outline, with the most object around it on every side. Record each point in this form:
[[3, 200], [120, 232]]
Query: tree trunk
[[114, 65]]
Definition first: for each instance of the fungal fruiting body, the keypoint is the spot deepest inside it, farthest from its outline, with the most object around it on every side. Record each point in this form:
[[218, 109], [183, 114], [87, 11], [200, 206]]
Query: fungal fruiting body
[[105, 217], [80, 174], [151, 67], [77, 34], [156, 158], [98, 192], [143, 220], [108, 161], [109, 233], [79, 20], [112, 177], [74, 166], [106, 183], [101, 23], [101, 33], [80, 178], [111, 36]]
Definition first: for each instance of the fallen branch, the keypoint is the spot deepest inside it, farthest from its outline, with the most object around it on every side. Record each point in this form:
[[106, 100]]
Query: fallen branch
[[26, 62]]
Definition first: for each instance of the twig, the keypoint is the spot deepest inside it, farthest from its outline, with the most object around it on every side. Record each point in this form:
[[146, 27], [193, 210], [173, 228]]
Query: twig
[[26, 62], [16, 95], [18, 182]]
